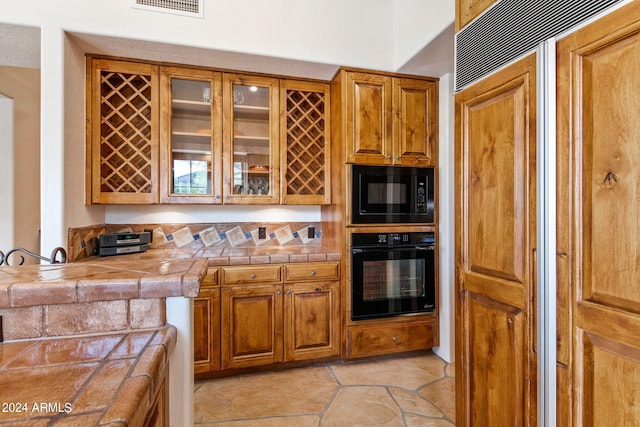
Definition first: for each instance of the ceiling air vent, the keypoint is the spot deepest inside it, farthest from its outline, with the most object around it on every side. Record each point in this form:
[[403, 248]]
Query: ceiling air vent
[[178, 7], [512, 28]]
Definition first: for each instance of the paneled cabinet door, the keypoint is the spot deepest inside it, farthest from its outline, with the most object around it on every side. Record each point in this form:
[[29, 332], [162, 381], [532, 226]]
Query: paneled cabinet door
[[206, 331], [251, 139], [305, 138], [122, 132], [468, 10], [191, 136], [368, 116], [598, 222], [311, 320], [495, 216], [251, 326], [415, 132]]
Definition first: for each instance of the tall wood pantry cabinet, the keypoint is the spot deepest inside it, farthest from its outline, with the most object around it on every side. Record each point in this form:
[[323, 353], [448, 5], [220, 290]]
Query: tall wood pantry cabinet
[[598, 222], [178, 134], [495, 223]]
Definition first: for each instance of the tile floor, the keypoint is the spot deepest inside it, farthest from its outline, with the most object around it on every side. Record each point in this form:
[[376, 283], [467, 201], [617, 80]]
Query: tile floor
[[414, 390]]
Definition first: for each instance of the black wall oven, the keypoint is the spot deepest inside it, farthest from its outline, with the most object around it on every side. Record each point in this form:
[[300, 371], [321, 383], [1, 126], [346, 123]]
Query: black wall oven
[[392, 274], [392, 195]]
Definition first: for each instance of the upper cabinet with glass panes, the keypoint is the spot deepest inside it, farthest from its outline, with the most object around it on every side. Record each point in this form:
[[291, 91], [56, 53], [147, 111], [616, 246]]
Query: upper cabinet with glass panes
[[172, 134], [251, 172], [191, 137]]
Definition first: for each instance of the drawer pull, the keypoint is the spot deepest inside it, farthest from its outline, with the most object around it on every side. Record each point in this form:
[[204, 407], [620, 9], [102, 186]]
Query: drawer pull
[[253, 276], [313, 273], [318, 289], [394, 339]]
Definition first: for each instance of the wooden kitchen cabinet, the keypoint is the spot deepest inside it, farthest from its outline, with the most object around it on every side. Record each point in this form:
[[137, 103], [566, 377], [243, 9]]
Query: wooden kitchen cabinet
[[269, 317], [305, 142], [251, 139], [191, 136], [381, 338], [311, 320], [172, 135], [495, 222], [415, 128], [206, 325], [251, 326], [123, 111], [387, 119], [468, 10], [598, 225]]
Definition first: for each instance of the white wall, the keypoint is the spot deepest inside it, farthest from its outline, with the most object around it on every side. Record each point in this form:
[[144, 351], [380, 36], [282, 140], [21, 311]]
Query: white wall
[[417, 22], [354, 32], [20, 159], [6, 173]]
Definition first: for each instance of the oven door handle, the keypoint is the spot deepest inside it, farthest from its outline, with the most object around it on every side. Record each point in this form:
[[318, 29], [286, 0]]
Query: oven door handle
[[425, 248]]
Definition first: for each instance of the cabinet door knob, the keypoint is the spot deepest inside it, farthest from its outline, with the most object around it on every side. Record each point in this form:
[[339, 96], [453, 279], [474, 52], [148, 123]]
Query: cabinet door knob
[[388, 156], [398, 157], [394, 339], [278, 292], [313, 273], [253, 276], [288, 292]]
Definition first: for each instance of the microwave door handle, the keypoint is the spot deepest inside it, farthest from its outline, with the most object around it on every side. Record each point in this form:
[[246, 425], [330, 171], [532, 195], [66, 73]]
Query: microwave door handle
[[425, 248]]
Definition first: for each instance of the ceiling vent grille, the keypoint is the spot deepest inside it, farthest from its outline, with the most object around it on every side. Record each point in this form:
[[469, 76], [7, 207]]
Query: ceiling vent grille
[[177, 7], [512, 28]]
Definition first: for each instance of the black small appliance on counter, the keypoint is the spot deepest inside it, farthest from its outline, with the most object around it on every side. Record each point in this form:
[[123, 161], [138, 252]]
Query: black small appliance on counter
[[123, 243]]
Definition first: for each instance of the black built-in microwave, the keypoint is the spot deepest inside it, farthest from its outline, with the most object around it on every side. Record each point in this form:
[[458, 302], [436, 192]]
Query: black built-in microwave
[[392, 195]]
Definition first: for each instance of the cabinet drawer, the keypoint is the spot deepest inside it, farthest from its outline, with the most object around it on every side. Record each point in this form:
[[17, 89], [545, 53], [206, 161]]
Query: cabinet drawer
[[312, 271], [264, 274], [378, 340]]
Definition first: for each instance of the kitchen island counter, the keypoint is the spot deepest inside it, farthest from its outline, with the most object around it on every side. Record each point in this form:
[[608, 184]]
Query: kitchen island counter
[[107, 279], [109, 379]]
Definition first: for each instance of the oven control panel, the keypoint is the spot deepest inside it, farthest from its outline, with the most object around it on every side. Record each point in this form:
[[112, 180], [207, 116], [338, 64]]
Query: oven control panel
[[392, 239]]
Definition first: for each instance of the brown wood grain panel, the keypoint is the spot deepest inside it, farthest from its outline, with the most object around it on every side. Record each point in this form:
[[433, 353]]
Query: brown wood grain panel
[[598, 226], [495, 124]]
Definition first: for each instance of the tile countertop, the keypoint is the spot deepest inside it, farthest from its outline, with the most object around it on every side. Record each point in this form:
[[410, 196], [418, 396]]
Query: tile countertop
[[96, 380], [107, 279], [235, 256], [157, 273]]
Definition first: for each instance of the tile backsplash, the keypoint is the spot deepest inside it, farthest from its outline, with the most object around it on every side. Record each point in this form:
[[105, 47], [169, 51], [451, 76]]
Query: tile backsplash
[[82, 241]]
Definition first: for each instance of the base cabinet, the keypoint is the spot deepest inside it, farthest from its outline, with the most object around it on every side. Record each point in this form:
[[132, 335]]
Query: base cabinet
[[251, 331], [311, 321], [377, 339], [206, 331], [272, 314], [206, 325]]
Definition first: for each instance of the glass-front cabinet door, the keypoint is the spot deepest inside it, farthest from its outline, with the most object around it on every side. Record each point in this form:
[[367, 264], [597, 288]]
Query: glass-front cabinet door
[[251, 170], [191, 132]]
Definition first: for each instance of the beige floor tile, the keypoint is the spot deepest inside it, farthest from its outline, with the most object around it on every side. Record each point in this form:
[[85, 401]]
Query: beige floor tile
[[289, 392], [406, 372], [363, 407], [410, 391], [297, 421], [418, 421], [443, 395], [414, 403]]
